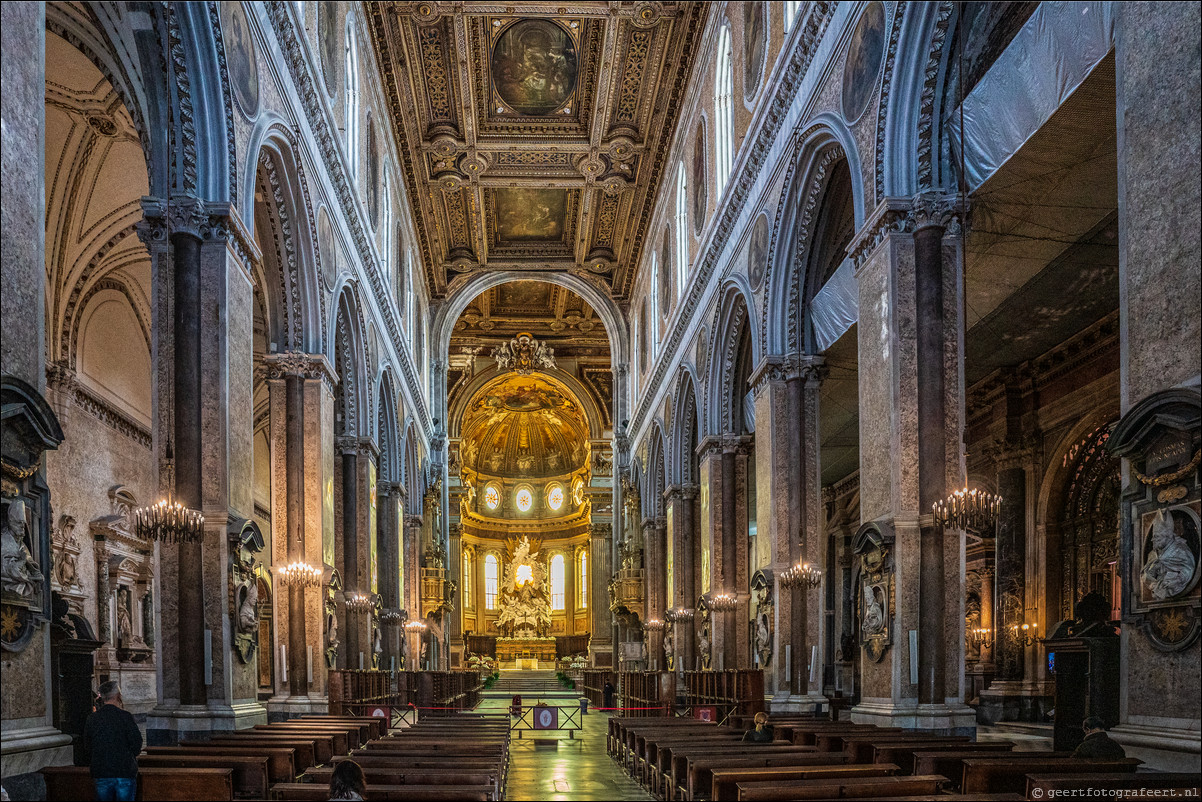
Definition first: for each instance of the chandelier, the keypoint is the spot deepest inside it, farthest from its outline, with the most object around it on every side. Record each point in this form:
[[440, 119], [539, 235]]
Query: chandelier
[[391, 616], [358, 602], [723, 602], [168, 521], [654, 625], [415, 626], [1025, 634], [524, 355], [967, 509], [300, 575], [678, 614], [801, 575]]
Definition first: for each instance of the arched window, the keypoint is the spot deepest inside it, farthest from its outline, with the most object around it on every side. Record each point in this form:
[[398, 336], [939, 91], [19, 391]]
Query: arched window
[[682, 230], [468, 595], [557, 582], [791, 9], [491, 580], [386, 216], [724, 122], [582, 594], [352, 100]]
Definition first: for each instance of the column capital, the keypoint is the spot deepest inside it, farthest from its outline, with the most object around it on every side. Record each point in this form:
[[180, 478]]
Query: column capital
[[208, 221], [298, 363], [710, 445], [944, 210], [771, 370], [1014, 452], [361, 446], [601, 530], [905, 215], [689, 492], [413, 521]]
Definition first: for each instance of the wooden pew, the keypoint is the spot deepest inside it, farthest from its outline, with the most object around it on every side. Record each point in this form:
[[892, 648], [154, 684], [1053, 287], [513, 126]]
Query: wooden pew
[[950, 763], [648, 762], [835, 741], [387, 793], [854, 787], [660, 774], [281, 763], [699, 769], [982, 775], [342, 738], [859, 748], [902, 752], [809, 735], [310, 749], [414, 776], [1041, 786], [356, 733], [250, 779], [378, 724], [74, 784], [725, 780]]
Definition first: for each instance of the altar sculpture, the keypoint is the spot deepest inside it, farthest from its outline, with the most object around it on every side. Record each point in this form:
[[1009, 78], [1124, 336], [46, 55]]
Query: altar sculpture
[[525, 600]]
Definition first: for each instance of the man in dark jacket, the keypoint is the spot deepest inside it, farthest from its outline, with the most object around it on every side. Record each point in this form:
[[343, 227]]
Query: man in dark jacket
[[1097, 744], [111, 743]]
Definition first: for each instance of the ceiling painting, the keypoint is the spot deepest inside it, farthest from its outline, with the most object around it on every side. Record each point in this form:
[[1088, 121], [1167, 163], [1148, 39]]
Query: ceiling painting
[[534, 67], [534, 138]]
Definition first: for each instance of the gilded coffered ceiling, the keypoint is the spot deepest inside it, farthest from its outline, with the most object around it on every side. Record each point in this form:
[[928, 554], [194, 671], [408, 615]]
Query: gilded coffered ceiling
[[534, 136]]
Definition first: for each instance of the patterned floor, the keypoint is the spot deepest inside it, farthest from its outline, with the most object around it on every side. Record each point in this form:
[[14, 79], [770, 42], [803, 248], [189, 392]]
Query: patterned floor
[[566, 769]]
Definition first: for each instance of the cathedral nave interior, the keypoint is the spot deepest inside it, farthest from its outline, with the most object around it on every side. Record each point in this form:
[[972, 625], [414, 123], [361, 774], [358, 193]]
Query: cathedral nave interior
[[833, 360]]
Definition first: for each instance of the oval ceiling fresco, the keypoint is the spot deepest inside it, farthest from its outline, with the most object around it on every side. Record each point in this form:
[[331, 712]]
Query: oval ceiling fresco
[[534, 66]]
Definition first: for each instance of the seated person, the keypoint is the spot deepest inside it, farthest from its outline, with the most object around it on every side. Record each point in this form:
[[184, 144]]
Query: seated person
[[347, 783], [762, 734], [1097, 744]]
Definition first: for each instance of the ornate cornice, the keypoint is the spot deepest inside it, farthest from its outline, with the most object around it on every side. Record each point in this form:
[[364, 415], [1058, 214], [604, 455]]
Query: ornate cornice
[[64, 381], [905, 216]]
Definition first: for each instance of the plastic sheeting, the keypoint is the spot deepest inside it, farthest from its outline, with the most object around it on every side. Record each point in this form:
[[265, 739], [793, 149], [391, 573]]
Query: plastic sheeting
[[835, 307], [1050, 57]]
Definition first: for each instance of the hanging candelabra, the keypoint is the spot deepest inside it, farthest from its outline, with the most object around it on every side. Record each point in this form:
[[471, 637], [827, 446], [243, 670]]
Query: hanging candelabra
[[801, 575], [300, 574], [678, 614], [967, 509], [723, 602], [654, 625], [417, 627], [358, 602], [168, 521], [392, 616]]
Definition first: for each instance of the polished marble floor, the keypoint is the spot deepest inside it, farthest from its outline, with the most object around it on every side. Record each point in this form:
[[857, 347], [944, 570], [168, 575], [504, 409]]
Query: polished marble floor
[[566, 769]]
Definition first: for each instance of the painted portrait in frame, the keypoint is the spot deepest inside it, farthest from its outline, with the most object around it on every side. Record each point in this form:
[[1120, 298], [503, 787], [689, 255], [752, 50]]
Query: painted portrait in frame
[[700, 187], [754, 46], [864, 58], [534, 66]]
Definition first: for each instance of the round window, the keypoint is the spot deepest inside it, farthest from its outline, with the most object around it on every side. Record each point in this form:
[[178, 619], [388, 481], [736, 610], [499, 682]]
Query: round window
[[492, 497], [524, 499], [578, 491], [555, 497]]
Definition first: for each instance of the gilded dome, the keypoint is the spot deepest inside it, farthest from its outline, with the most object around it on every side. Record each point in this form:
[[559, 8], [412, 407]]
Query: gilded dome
[[524, 426]]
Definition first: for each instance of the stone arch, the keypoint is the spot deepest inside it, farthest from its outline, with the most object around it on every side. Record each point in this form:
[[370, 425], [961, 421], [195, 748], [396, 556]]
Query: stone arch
[[387, 422], [656, 477], [685, 430], [286, 231], [601, 302], [733, 313], [412, 476], [821, 147], [909, 108], [349, 358]]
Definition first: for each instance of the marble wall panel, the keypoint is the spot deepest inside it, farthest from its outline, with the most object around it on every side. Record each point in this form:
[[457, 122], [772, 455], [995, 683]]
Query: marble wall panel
[[22, 217]]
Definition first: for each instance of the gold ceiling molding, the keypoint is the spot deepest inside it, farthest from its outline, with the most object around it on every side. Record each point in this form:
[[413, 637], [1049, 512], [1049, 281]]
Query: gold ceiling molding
[[533, 136]]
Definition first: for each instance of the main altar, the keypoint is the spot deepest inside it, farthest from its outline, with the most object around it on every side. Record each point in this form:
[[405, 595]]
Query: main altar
[[525, 621]]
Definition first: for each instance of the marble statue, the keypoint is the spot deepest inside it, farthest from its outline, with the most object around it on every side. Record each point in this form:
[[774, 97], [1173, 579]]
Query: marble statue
[[669, 648], [125, 627], [1169, 565], [19, 574], [874, 615]]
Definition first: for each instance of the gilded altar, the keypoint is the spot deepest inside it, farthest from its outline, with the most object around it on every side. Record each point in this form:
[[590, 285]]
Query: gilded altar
[[526, 652]]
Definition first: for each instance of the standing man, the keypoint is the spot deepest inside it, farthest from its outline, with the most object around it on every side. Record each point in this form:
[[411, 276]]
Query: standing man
[[111, 743]]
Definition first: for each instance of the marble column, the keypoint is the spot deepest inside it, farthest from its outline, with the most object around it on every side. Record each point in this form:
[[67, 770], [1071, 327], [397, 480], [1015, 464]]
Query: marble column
[[654, 576], [808, 632], [600, 568], [388, 524], [300, 393], [909, 261], [202, 257], [683, 499], [709, 512], [985, 664], [358, 465]]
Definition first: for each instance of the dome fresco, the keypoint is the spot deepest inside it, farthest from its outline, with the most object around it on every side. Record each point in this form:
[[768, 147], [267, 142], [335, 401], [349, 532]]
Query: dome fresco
[[524, 427]]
